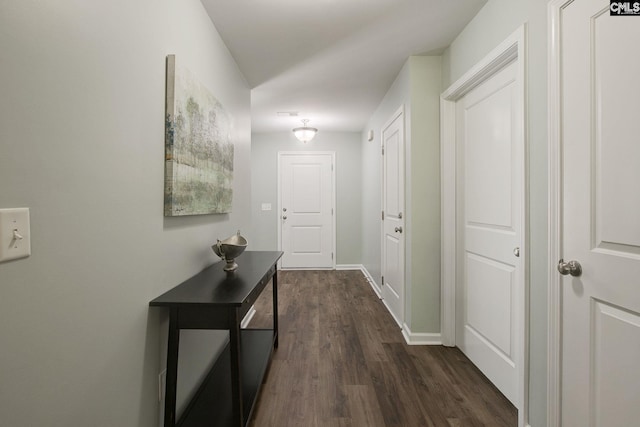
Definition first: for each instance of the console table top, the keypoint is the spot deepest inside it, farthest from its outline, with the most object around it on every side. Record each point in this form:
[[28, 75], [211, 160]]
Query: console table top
[[215, 287]]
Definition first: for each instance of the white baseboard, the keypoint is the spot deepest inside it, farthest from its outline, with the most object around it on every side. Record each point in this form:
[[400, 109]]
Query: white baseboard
[[393, 316], [349, 267], [371, 281], [412, 338], [420, 338], [248, 317]]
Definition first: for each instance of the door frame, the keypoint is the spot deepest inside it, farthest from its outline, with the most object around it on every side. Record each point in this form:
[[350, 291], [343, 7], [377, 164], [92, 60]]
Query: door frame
[[281, 154], [512, 49], [554, 120], [396, 114]]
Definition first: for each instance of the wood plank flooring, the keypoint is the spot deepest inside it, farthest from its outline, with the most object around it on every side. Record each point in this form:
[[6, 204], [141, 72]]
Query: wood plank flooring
[[342, 361]]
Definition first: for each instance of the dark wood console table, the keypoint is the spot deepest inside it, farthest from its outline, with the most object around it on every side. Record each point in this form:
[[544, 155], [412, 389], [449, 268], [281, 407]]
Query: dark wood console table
[[215, 299]]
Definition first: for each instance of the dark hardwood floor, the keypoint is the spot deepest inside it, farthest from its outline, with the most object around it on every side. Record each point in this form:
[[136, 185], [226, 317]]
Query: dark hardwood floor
[[342, 361]]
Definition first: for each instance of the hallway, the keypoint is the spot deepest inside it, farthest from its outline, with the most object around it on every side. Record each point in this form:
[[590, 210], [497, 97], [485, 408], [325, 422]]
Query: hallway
[[342, 361]]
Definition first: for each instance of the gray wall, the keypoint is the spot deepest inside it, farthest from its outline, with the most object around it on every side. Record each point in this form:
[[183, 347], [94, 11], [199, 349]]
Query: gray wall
[[497, 20], [264, 165], [82, 145], [396, 96], [423, 190], [417, 89]]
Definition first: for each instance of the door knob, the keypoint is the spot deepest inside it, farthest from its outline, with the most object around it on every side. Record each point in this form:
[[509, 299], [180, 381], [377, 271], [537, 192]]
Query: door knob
[[570, 267], [284, 217], [516, 252], [398, 229]]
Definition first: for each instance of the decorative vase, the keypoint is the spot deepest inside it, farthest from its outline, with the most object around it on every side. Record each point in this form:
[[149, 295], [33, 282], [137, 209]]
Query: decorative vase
[[229, 249]]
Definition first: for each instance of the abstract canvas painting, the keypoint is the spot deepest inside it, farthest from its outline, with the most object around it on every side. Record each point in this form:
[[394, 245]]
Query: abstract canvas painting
[[198, 147]]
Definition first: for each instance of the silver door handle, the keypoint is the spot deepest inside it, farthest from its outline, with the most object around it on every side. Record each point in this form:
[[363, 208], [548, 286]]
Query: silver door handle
[[570, 267], [516, 252], [398, 229], [284, 217]]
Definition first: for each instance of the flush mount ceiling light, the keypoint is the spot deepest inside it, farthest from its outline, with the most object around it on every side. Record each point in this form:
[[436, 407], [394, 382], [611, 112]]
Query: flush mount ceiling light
[[305, 133]]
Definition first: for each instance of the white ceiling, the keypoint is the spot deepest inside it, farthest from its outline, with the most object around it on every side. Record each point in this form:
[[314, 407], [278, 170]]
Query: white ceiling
[[330, 60]]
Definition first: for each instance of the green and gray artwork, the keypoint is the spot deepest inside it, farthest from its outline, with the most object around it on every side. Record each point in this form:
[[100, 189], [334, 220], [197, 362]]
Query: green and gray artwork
[[199, 151]]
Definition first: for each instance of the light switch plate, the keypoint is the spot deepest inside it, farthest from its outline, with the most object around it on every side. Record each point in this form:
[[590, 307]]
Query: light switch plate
[[266, 206], [15, 234]]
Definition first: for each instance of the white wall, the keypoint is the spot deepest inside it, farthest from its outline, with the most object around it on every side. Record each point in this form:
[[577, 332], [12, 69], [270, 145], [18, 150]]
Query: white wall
[[264, 165], [497, 20], [82, 145]]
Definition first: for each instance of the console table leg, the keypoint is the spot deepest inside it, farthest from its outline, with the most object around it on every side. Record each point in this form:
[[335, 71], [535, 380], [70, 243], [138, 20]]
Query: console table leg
[[274, 282], [172, 370], [236, 369]]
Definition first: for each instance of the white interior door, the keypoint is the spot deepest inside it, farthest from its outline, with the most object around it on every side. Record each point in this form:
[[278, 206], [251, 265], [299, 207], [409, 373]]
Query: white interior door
[[307, 209], [393, 222], [490, 191], [600, 309]]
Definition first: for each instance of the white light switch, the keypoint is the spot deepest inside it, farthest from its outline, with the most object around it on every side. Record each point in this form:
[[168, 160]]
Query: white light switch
[[266, 206], [15, 234]]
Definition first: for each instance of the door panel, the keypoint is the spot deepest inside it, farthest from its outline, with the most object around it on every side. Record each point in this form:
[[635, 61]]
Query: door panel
[[488, 158], [616, 352], [393, 262], [306, 216], [490, 198], [615, 140], [306, 189], [306, 240], [489, 284], [392, 266], [393, 182], [600, 225]]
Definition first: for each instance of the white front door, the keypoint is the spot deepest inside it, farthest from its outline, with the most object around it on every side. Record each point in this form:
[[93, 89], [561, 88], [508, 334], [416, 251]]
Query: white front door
[[600, 309], [393, 222], [307, 209], [490, 190]]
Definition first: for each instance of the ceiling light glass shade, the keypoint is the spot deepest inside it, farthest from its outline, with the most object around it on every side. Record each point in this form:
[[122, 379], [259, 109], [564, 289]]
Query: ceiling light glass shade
[[305, 133]]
